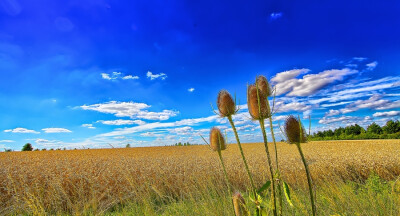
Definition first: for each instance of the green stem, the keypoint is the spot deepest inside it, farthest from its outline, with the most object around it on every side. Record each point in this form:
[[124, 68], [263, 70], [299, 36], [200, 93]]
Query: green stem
[[243, 157], [269, 162], [226, 178], [276, 160], [308, 179]]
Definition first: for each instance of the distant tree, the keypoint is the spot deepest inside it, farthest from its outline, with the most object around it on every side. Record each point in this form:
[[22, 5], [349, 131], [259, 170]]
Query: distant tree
[[128, 145], [338, 131], [27, 147], [8, 150], [44, 149], [374, 128], [391, 127]]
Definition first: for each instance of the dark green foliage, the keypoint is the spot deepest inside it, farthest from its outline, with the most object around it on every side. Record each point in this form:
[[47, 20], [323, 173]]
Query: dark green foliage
[[374, 128], [27, 147], [390, 131], [128, 145], [391, 127]]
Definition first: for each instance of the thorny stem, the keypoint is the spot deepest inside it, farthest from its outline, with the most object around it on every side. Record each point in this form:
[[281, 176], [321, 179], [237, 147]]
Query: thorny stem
[[269, 163], [276, 160], [226, 177], [241, 152], [308, 179]]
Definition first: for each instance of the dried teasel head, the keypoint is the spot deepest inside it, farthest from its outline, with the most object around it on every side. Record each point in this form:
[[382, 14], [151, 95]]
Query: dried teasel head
[[217, 140], [257, 103], [226, 104], [294, 131], [263, 85], [239, 204]]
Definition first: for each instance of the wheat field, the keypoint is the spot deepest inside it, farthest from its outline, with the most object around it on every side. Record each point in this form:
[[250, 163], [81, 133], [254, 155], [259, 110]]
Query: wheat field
[[95, 181]]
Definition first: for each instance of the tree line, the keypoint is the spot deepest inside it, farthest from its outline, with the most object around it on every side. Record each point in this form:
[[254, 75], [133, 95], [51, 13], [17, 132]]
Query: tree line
[[391, 130]]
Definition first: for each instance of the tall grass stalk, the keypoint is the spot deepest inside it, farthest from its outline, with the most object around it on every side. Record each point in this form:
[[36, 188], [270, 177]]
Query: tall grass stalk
[[253, 188], [279, 186], [310, 188]]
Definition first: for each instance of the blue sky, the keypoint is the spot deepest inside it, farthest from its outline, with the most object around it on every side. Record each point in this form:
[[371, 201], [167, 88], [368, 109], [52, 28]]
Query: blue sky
[[93, 73]]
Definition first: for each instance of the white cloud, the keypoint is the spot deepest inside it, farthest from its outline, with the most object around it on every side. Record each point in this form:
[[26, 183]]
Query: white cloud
[[191, 89], [130, 77], [373, 102], [332, 112], [6, 141], [372, 65], [130, 109], [386, 114], [281, 107], [21, 130], [56, 130], [122, 122], [90, 126], [275, 15], [290, 74], [152, 76], [117, 75], [182, 130], [342, 119], [359, 58], [310, 83]]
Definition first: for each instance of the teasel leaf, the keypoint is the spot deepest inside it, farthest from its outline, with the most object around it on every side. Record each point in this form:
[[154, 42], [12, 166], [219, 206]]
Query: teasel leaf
[[264, 187], [287, 193]]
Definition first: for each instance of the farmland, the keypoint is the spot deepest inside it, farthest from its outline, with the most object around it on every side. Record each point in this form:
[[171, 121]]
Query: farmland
[[151, 180]]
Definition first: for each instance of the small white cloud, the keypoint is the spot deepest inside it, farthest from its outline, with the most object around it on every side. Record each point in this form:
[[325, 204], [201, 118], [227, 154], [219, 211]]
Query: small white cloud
[[275, 15], [359, 59], [386, 114], [372, 65], [332, 112], [56, 130], [21, 130], [191, 89], [117, 75], [130, 77], [152, 76], [90, 126], [122, 122], [6, 141]]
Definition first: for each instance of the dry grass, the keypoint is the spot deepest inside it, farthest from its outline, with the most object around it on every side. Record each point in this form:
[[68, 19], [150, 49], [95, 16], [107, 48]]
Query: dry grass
[[78, 181]]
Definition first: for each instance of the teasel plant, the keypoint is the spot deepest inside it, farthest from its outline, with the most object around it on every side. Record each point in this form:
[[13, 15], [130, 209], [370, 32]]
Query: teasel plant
[[218, 144], [295, 134], [258, 109], [239, 205], [227, 108], [266, 90]]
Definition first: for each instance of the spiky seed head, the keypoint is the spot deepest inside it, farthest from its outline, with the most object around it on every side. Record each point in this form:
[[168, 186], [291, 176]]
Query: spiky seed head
[[226, 104], [293, 132], [257, 103], [217, 140], [239, 204], [263, 85]]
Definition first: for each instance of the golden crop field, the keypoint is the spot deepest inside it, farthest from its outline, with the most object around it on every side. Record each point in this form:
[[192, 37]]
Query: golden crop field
[[75, 181]]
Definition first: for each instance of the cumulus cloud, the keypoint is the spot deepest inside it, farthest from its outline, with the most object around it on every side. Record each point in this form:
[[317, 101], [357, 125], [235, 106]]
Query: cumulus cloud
[[332, 112], [21, 130], [191, 90], [122, 122], [342, 119], [152, 76], [287, 75], [275, 15], [386, 114], [90, 126], [117, 75], [130, 109], [281, 106], [372, 65], [373, 102], [6, 141], [310, 83], [56, 130]]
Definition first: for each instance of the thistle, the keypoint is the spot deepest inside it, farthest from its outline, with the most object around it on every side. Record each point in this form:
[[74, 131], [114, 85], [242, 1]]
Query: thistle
[[226, 104], [265, 89], [258, 109], [257, 103], [239, 205], [227, 108], [295, 134], [263, 85], [217, 141]]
